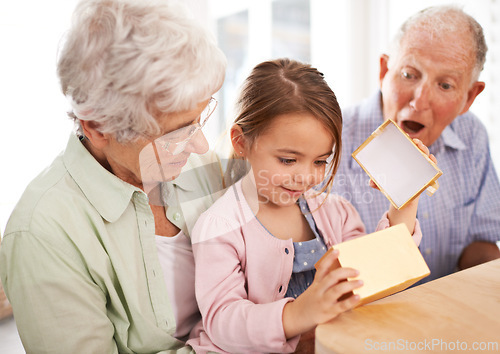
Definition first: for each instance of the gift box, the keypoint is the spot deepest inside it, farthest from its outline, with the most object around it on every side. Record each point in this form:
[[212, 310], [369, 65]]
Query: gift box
[[388, 261], [397, 166]]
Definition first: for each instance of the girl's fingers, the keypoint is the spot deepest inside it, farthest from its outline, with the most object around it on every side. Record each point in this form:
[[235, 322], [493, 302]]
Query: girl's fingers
[[425, 149], [373, 185], [421, 146], [342, 273], [337, 278], [342, 287], [346, 304], [341, 297], [328, 262], [329, 272]]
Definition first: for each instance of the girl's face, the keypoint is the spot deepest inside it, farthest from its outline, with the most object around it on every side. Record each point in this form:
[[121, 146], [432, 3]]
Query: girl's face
[[289, 158]]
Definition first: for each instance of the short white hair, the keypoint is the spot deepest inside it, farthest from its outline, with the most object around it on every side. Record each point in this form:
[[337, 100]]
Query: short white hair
[[445, 19], [123, 61]]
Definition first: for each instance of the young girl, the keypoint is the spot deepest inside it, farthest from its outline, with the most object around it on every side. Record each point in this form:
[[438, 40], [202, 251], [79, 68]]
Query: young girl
[[256, 247]]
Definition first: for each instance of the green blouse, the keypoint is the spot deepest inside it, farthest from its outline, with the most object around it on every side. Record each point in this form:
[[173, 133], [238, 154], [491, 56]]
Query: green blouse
[[79, 262]]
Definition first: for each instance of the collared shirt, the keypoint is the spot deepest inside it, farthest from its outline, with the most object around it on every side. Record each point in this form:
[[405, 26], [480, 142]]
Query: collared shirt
[[79, 262], [193, 191], [465, 208]]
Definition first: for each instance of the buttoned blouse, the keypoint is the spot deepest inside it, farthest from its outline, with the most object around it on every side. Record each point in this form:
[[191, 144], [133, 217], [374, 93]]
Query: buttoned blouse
[[79, 261]]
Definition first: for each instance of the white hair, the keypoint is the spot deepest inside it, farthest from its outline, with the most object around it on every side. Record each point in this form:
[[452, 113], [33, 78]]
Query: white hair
[[447, 19], [124, 61]]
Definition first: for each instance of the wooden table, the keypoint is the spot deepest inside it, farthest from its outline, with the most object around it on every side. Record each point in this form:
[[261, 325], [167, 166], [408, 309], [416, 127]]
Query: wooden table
[[459, 312]]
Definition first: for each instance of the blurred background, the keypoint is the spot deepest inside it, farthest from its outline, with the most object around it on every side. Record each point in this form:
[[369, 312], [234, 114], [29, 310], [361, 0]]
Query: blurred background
[[342, 38]]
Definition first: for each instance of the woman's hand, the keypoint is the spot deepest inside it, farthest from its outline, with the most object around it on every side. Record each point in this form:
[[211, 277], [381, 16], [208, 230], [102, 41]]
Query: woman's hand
[[322, 301]]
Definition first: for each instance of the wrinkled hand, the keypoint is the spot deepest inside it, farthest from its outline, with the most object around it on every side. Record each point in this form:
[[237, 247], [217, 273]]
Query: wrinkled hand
[[323, 300]]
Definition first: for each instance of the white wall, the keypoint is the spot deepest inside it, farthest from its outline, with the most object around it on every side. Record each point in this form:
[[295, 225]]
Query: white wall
[[33, 124]]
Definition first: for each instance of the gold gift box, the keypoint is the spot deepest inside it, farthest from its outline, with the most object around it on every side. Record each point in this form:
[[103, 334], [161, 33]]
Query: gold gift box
[[388, 261], [397, 166]]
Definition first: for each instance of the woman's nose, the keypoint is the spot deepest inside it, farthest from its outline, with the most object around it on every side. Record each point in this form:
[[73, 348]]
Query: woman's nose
[[198, 144]]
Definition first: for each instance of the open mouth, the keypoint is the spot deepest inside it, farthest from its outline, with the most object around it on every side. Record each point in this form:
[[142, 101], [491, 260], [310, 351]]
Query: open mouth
[[411, 127]]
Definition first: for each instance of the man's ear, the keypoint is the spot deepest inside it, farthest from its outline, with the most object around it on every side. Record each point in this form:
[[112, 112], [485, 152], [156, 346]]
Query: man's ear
[[238, 140], [473, 92], [96, 138], [384, 68]]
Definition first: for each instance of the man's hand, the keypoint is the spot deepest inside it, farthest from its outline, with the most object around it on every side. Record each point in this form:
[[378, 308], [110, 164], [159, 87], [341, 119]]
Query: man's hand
[[478, 252]]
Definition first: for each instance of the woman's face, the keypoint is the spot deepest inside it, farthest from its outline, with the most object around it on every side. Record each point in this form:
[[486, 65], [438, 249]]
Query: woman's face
[[147, 161]]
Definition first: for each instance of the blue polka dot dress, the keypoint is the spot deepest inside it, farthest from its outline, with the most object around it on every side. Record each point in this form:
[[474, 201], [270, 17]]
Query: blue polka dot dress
[[306, 255]]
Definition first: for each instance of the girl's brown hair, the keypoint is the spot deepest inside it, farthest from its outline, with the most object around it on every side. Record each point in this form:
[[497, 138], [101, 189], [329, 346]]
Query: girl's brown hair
[[284, 86]]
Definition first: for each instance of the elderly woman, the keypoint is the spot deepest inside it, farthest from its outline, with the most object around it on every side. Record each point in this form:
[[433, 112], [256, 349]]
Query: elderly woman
[[80, 256]]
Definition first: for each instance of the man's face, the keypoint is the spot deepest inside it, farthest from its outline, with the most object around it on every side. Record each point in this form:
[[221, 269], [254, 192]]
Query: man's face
[[427, 84]]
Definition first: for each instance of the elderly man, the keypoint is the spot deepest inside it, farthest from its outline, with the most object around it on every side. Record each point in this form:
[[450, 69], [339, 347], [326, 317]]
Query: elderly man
[[428, 82]]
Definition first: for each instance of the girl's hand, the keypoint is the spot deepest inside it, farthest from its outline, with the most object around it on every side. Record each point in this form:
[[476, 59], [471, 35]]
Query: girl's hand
[[321, 301], [425, 149]]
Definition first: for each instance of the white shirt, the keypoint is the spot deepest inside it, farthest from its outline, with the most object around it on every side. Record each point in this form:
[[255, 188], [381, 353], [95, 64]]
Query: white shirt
[[177, 263]]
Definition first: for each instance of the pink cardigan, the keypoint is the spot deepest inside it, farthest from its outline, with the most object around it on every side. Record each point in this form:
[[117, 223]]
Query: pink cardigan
[[242, 272]]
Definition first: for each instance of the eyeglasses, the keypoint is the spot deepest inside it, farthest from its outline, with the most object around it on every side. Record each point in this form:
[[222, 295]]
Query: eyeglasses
[[176, 143]]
